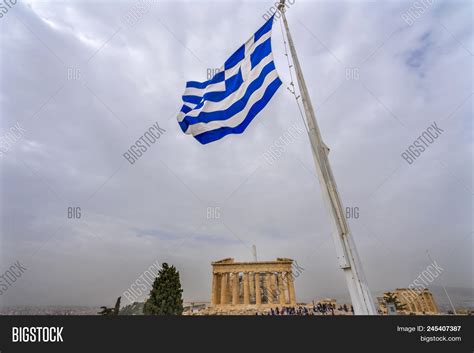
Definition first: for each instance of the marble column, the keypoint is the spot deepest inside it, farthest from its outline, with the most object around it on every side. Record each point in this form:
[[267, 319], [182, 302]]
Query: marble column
[[229, 289], [281, 289], [291, 288], [214, 293], [268, 288], [411, 306], [433, 306], [274, 288], [416, 302], [258, 294], [218, 288], [235, 288], [246, 289], [424, 304], [427, 302], [252, 287], [224, 288]]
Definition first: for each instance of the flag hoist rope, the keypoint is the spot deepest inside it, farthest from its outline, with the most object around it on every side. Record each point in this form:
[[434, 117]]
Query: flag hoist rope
[[292, 84], [345, 248]]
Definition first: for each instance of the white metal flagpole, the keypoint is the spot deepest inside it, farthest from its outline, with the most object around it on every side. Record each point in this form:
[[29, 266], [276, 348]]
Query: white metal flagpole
[[345, 248]]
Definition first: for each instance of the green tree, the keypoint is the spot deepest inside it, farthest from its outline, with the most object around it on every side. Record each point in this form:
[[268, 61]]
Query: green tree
[[135, 308], [111, 311], [106, 311], [391, 297], [117, 306], [166, 294]]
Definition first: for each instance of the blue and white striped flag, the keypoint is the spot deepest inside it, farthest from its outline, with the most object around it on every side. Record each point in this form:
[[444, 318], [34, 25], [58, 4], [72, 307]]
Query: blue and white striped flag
[[228, 102]]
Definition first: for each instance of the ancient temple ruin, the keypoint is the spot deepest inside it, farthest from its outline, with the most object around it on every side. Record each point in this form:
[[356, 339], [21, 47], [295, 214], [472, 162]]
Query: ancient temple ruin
[[252, 284]]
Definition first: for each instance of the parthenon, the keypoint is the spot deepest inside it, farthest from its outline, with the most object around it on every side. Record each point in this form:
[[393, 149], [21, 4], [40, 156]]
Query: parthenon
[[252, 284]]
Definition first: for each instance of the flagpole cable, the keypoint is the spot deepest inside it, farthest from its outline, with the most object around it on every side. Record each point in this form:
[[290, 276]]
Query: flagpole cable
[[291, 76]]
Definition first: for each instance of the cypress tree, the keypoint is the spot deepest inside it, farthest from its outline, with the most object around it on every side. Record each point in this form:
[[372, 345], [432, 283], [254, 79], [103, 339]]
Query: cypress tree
[[166, 293], [117, 306]]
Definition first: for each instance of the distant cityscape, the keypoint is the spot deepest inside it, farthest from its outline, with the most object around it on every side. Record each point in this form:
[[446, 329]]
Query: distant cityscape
[[463, 300], [49, 310]]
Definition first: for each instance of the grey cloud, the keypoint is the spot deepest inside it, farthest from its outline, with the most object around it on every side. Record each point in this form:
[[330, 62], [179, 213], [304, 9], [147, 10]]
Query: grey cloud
[[133, 215]]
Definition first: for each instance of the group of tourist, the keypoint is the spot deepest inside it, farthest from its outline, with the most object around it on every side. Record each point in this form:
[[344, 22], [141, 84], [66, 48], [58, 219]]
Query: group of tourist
[[319, 309]]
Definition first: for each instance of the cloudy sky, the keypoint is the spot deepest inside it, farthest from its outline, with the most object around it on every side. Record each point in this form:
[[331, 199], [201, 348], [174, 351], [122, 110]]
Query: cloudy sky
[[84, 84]]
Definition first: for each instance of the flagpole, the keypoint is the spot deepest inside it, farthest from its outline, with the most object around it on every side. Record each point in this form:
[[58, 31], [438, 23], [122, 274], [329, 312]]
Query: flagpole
[[345, 247]]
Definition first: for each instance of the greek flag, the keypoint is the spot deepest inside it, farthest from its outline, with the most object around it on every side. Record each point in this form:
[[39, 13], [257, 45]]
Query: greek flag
[[227, 103]]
